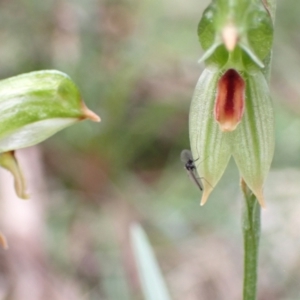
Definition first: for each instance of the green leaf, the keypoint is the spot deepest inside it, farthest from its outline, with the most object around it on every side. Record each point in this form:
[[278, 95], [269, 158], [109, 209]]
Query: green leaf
[[36, 105], [153, 284]]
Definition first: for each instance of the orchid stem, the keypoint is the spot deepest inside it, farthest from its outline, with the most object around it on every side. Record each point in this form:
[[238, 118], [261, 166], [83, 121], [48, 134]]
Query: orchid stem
[[251, 233], [251, 214]]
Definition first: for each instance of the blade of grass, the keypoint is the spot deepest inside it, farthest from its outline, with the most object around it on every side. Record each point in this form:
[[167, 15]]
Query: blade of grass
[[153, 284]]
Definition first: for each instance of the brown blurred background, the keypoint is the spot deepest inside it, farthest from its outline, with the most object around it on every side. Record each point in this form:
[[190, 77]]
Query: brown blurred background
[[136, 65]]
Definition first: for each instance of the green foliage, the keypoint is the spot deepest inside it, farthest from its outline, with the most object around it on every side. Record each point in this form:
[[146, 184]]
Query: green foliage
[[152, 281]]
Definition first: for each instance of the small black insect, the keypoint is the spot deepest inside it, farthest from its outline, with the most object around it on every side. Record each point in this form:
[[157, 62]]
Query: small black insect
[[189, 164]]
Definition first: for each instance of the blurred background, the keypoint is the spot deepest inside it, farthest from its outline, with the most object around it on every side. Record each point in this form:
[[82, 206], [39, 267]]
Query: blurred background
[[135, 63]]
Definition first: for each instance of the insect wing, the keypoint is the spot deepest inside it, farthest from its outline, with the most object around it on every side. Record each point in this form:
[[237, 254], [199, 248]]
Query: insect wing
[[196, 180], [186, 156]]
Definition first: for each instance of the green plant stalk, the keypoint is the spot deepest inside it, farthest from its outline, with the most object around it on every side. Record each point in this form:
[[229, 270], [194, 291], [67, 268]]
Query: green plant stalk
[[251, 233], [251, 214]]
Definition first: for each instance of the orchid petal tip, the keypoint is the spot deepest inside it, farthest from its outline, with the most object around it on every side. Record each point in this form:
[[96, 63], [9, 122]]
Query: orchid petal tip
[[88, 114], [205, 195]]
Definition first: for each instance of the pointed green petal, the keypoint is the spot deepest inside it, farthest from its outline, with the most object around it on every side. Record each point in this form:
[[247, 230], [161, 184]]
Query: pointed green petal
[[10, 163], [36, 105], [253, 140], [208, 144], [252, 55], [207, 54]]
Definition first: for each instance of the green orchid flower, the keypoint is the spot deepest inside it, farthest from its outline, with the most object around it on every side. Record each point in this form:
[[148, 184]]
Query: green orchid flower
[[231, 112]]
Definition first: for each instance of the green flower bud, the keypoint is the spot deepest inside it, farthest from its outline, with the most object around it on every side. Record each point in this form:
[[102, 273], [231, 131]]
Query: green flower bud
[[36, 105], [33, 107]]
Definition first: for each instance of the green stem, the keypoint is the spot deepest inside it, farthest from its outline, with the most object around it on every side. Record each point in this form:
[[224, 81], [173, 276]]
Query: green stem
[[251, 213], [251, 232]]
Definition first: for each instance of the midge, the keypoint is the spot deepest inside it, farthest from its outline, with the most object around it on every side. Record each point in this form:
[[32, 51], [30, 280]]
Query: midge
[[189, 164]]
